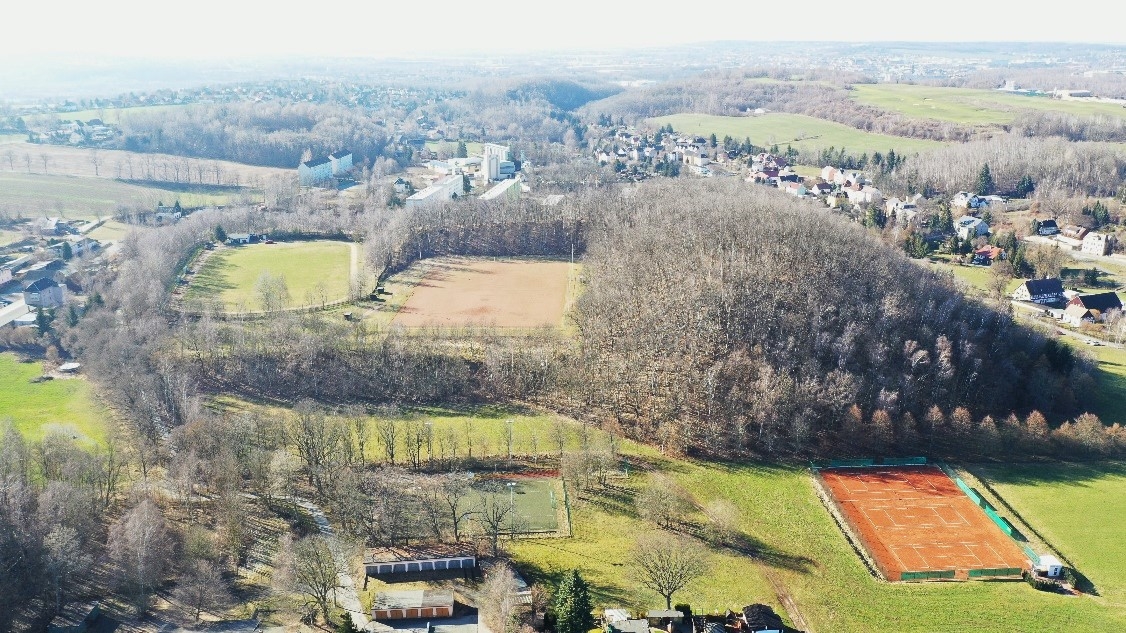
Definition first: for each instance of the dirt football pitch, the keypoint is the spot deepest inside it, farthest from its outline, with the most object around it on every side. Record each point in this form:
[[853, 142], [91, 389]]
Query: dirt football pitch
[[915, 519], [501, 292]]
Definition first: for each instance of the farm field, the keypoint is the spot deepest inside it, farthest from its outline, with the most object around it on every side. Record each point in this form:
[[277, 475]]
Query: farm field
[[65, 405], [1078, 508], [458, 291], [8, 237], [799, 131], [88, 198], [315, 272], [975, 107], [107, 115], [76, 161]]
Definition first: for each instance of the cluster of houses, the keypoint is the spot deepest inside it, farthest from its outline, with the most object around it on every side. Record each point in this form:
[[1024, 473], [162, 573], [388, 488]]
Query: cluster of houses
[[1077, 237], [628, 146], [834, 186], [93, 132], [1068, 306], [37, 271]]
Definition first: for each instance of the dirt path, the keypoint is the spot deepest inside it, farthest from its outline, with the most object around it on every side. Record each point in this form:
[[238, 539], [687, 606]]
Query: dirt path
[[354, 271]]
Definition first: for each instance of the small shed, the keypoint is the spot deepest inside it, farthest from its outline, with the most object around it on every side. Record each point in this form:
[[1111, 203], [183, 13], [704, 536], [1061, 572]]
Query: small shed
[[1050, 566], [628, 626], [660, 617], [405, 605]]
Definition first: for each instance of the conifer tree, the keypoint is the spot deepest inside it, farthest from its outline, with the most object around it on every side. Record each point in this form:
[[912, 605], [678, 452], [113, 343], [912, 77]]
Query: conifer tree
[[573, 608], [984, 181]]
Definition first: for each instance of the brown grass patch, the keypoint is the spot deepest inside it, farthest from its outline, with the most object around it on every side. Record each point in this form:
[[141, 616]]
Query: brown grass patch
[[459, 291]]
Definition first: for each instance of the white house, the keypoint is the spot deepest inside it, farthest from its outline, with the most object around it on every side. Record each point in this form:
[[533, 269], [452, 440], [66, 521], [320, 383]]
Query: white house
[[44, 293], [968, 227], [867, 195], [441, 191], [1098, 243], [1042, 291], [793, 188], [5, 275]]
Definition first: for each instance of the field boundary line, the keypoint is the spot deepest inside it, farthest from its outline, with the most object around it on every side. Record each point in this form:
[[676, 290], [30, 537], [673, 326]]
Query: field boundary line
[[846, 529]]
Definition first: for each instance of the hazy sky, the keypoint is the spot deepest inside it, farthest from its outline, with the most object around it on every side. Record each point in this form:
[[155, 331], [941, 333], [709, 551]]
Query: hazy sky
[[208, 29]]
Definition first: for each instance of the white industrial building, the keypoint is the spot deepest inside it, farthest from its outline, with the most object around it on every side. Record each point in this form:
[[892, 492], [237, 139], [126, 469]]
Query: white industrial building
[[1098, 243], [495, 164], [507, 189], [437, 193]]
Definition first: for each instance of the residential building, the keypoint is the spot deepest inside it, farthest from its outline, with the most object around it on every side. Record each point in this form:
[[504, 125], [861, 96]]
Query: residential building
[[1097, 304], [793, 188], [969, 227], [1098, 243], [341, 162], [986, 255], [44, 293], [5, 275], [1047, 227], [1041, 291], [1074, 232], [315, 171]]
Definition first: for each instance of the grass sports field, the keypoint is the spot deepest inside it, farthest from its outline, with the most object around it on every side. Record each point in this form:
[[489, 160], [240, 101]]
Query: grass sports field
[[975, 107], [799, 131], [537, 501], [61, 405], [315, 272], [89, 198], [914, 519], [1080, 510], [458, 291]]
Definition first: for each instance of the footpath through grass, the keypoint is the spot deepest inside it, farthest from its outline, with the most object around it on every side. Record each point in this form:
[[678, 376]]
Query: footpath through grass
[[313, 271], [797, 130], [66, 406]]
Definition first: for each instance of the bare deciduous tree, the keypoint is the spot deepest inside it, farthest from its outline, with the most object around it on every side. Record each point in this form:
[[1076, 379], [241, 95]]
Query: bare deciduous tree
[[139, 548], [312, 570], [667, 564], [201, 587]]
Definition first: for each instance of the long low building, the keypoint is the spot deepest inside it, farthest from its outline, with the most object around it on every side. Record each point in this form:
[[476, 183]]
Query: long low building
[[408, 605], [392, 561], [441, 191]]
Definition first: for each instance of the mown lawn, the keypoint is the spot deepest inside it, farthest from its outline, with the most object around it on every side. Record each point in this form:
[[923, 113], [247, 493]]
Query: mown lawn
[[975, 107], [61, 405], [799, 131], [85, 197], [1078, 508], [312, 271]]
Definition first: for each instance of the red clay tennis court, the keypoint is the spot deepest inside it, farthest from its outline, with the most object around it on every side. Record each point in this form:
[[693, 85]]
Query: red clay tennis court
[[916, 523]]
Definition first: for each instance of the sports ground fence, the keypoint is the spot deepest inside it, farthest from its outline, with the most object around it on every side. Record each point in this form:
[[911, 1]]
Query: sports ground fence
[[944, 574]]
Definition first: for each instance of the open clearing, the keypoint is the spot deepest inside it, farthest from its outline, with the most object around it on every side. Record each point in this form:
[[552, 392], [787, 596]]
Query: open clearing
[[315, 272], [87, 197], [975, 107], [76, 161], [505, 292], [65, 405], [797, 130], [1078, 508], [914, 519]]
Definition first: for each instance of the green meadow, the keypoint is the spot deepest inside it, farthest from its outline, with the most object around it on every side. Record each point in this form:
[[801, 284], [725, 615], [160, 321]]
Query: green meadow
[[312, 270], [796, 130], [970, 106], [62, 405], [87, 198]]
